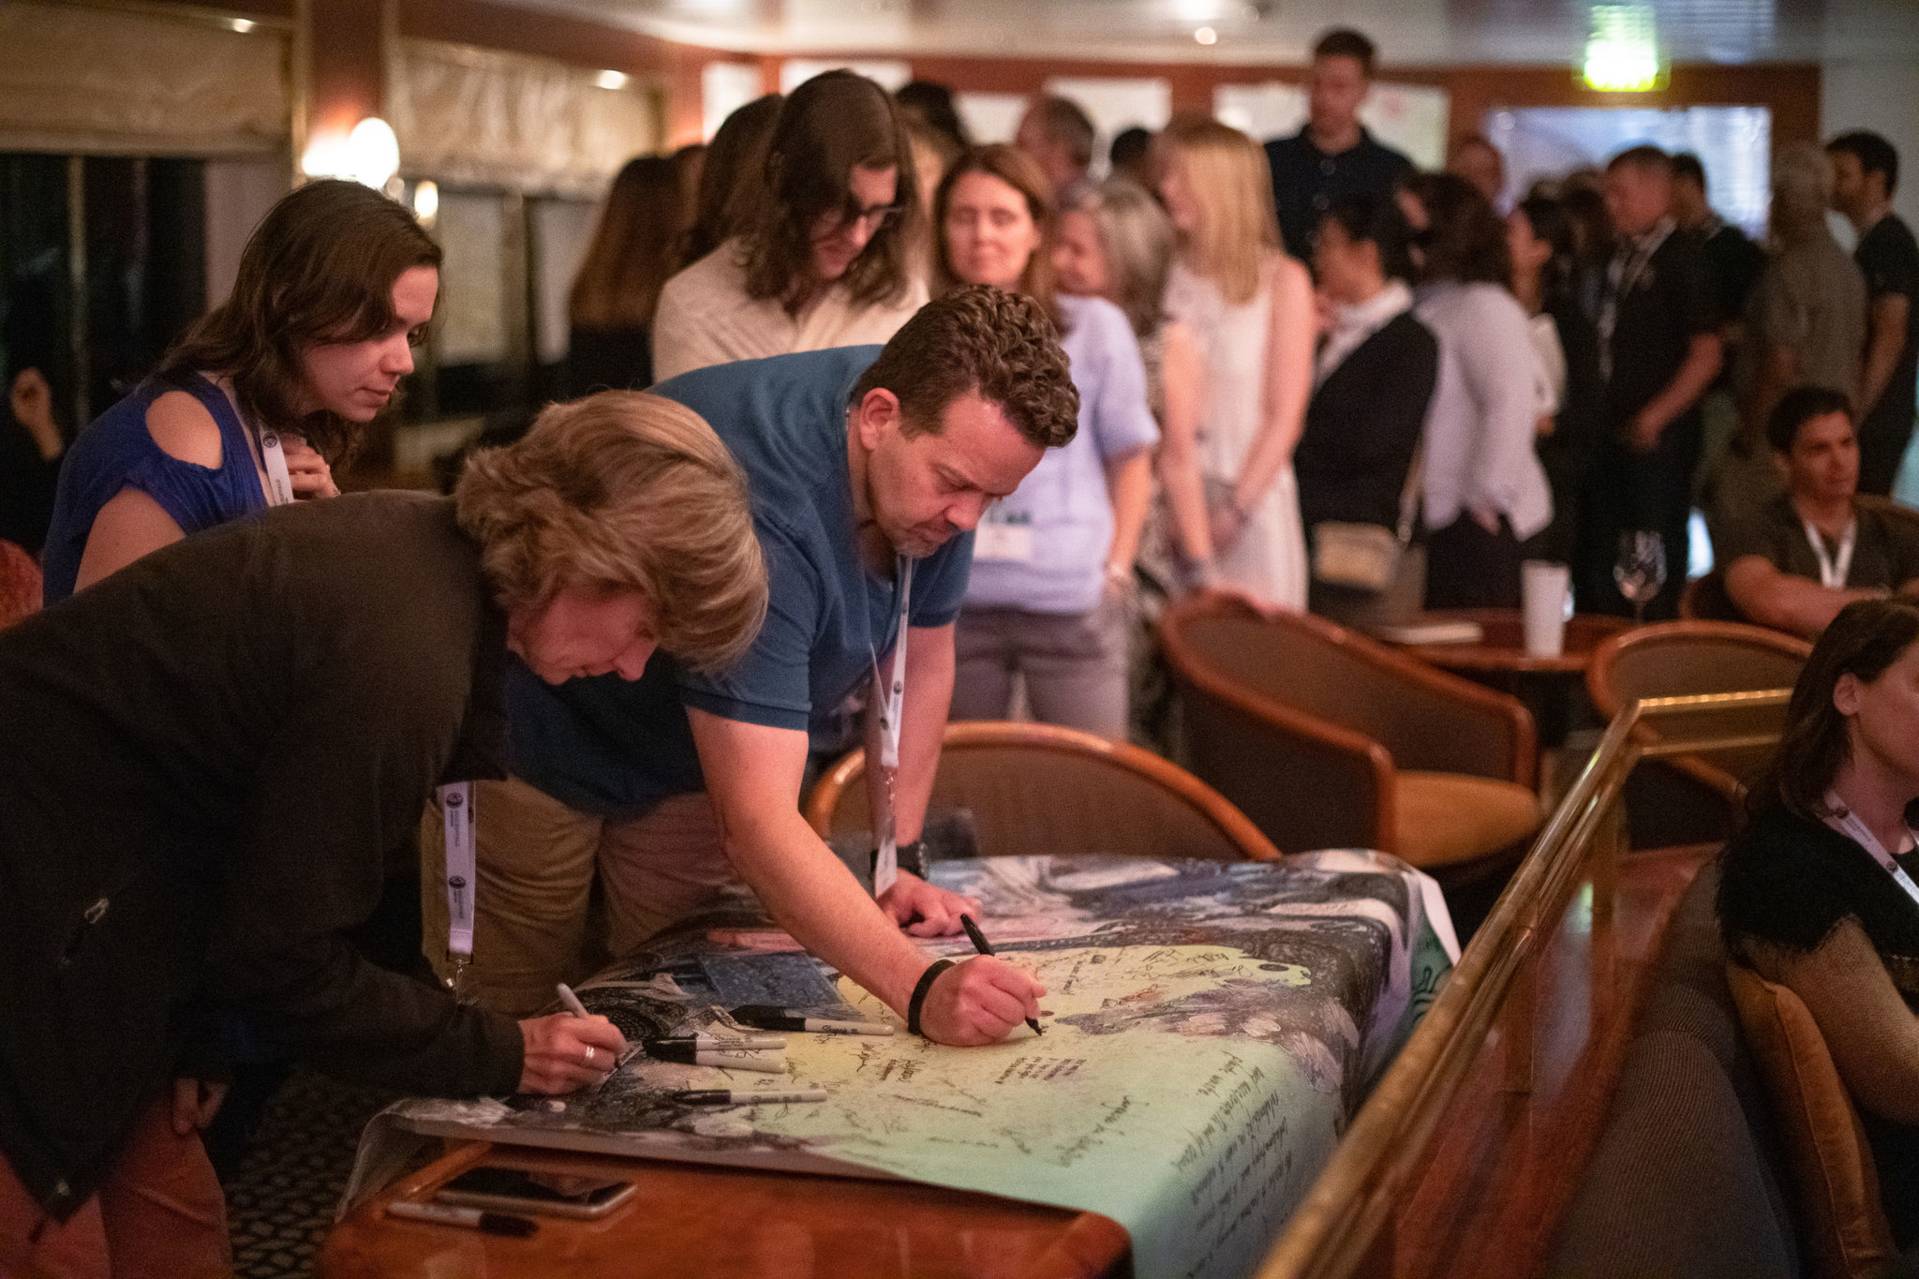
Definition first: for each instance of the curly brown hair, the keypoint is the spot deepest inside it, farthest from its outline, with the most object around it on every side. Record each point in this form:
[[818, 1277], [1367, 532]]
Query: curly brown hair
[[978, 340], [319, 268], [623, 491]]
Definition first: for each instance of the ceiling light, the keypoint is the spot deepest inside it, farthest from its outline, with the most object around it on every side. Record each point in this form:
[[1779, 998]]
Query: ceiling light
[[243, 25], [426, 202], [1205, 35], [1622, 54], [611, 79]]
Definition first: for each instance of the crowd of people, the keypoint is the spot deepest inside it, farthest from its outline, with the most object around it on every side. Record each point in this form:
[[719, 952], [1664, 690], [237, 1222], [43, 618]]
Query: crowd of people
[[931, 426]]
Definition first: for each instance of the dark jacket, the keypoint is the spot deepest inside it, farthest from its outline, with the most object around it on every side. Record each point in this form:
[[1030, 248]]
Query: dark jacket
[[1363, 424], [207, 763]]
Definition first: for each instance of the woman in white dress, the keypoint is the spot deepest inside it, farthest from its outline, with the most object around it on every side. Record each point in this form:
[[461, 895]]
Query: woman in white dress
[[1250, 308]]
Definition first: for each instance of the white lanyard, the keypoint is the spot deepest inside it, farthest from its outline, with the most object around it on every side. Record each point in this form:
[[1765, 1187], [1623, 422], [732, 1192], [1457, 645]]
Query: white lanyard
[[891, 700], [274, 458], [457, 819], [1833, 569], [1846, 822]]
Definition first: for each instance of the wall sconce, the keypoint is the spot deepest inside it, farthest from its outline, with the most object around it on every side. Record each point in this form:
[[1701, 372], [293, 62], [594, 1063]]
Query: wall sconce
[[369, 155]]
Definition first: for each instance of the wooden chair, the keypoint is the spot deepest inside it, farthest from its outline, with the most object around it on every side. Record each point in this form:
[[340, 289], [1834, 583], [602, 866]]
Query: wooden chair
[[1327, 739], [1835, 1177], [1039, 788], [1693, 798], [20, 588]]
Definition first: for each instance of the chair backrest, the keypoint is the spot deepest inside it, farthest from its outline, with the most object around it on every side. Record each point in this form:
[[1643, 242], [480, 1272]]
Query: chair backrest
[[1833, 1170], [1674, 659], [1039, 788], [1892, 509], [1705, 600], [1341, 678], [20, 588]]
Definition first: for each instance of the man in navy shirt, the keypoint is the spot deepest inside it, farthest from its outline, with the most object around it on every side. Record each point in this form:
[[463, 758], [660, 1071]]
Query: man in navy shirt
[[1865, 171], [861, 461], [1333, 155]]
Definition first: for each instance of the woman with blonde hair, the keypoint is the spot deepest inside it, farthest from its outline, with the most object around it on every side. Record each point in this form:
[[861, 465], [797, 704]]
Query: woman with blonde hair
[[617, 288], [1249, 307], [1116, 242], [234, 736], [1049, 603]]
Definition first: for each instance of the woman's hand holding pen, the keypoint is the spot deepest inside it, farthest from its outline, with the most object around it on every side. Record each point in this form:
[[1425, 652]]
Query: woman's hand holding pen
[[564, 1052], [980, 1001]]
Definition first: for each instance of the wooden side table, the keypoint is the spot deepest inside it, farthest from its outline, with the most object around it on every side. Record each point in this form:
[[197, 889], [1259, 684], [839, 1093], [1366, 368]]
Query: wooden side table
[[689, 1219], [1498, 659]]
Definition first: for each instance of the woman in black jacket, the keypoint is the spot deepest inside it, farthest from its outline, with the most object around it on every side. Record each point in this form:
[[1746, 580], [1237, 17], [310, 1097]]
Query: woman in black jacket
[[1374, 377], [209, 760]]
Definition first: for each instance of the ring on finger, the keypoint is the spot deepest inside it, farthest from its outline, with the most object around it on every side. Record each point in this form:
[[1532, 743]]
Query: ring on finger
[[588, 1057]]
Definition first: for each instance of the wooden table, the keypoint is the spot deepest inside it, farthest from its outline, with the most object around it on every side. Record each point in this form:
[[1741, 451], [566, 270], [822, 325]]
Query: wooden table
[[692, 1220], [1548, 685]]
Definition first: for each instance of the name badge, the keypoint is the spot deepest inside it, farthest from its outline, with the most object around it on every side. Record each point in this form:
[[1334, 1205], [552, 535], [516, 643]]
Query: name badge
[[1009, 543]]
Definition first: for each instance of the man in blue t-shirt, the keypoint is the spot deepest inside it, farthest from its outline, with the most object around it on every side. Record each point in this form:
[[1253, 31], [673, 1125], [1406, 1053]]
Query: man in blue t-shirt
[[861, 462]]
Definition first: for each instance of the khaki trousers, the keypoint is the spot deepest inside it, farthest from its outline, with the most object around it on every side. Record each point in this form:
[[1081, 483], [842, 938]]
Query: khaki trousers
[[536, 860], [160, 1214]]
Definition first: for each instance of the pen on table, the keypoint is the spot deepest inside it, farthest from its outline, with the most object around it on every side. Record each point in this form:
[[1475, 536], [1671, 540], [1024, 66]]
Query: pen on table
[[773, 1017], [770, 1061], [743, 1096], [489, 1223], [985, 947]]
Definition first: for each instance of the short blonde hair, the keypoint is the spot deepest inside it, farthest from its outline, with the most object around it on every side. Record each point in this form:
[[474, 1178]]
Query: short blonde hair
[[1228, 178], [623, 491], [1137, 238]]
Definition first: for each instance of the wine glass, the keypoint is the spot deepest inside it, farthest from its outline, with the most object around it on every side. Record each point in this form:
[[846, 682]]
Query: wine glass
[[1640, 570]]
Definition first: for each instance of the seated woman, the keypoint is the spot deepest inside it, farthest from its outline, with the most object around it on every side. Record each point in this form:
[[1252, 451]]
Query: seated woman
[[263, 395], [1818, 893], [1371, 387], [232, 738]]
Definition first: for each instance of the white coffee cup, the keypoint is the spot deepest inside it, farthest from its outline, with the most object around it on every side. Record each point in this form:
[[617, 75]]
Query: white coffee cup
[[1543, 587]]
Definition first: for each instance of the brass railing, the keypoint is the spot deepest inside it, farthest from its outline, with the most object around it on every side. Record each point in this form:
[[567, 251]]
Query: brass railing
[[1340, 1228]]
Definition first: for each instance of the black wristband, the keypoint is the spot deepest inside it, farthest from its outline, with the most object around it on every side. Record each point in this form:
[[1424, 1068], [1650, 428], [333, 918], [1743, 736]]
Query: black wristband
[[918, 1001]]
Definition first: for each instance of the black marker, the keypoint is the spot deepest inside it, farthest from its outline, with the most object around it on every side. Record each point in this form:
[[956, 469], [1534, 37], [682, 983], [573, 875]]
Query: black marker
[[770, 1061], [985, 947], [773, 1017], [743, 1096]]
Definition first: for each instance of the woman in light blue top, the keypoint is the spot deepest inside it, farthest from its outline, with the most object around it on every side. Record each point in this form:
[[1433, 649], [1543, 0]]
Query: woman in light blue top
[[1051, 591], [263, 395]]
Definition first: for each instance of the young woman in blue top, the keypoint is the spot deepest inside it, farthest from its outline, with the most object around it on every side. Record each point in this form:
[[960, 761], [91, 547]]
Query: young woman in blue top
[[334, 289], [1050, 597]]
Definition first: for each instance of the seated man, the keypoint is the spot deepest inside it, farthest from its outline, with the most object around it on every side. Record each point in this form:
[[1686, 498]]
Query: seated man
[[869, 468], [1813, 550]]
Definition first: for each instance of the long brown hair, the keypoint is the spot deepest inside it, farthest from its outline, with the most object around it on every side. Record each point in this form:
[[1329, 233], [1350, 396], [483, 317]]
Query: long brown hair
[[829, 126], [1866, 638], [735, 160], [632, 253], [319, 269], [1021, 172]]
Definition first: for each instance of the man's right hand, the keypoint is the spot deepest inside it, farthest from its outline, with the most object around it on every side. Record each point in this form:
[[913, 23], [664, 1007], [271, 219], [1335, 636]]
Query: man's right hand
[[564, 1052], [980, 1001]]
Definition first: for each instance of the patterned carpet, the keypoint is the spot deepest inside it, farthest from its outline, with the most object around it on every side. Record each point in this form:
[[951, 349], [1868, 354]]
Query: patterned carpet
[[280, 1204]]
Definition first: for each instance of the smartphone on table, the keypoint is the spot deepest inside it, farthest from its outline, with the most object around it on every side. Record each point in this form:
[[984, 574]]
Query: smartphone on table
[[523, 1190]]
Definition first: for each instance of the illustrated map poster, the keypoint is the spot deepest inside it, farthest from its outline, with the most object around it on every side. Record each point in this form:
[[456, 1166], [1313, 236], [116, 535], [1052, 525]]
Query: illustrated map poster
[[1211, 1028]]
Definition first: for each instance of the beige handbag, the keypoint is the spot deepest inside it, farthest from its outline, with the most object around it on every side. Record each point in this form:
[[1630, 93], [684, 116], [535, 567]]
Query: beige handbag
[[1365, 557]]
